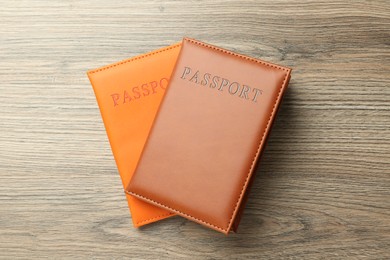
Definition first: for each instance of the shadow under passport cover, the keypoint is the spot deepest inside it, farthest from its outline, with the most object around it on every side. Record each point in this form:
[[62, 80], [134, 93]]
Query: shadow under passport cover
[[207, 136], [129, 94]]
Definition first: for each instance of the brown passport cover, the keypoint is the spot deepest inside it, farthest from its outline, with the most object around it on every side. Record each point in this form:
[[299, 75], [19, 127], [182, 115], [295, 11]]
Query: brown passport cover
[[207, 136], [129, 93]]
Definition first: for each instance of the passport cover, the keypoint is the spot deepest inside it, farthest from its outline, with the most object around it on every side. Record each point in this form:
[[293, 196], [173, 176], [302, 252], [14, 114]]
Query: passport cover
[[207, 136], [128, 94]]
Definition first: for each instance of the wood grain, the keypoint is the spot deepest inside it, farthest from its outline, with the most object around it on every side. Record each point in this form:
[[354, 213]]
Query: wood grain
[[323, 186]]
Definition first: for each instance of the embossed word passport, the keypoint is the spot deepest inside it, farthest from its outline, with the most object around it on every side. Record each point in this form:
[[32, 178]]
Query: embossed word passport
[[128, 94], [211, 126]]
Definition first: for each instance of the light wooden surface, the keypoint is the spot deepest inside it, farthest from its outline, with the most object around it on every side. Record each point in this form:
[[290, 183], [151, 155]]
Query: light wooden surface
[[322, 190]]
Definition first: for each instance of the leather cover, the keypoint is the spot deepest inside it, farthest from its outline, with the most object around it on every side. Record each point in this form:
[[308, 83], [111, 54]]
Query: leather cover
[[128, 94], [207, 136]]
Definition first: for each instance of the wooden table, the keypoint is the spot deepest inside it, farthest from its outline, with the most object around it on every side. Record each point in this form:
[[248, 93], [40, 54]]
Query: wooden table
[[323, 186]]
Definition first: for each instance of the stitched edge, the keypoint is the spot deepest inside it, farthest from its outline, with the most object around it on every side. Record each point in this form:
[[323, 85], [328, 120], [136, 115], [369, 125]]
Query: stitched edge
[[259, 146], [134, 58], [236, 54], [174, 210], [154, 218], [127, 61]]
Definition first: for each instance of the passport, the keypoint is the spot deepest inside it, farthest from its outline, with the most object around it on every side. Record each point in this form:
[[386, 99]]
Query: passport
[[208, 134], [128, 94]]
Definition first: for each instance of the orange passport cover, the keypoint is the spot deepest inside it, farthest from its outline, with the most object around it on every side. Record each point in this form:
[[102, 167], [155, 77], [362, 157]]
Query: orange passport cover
[[128, 94]]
